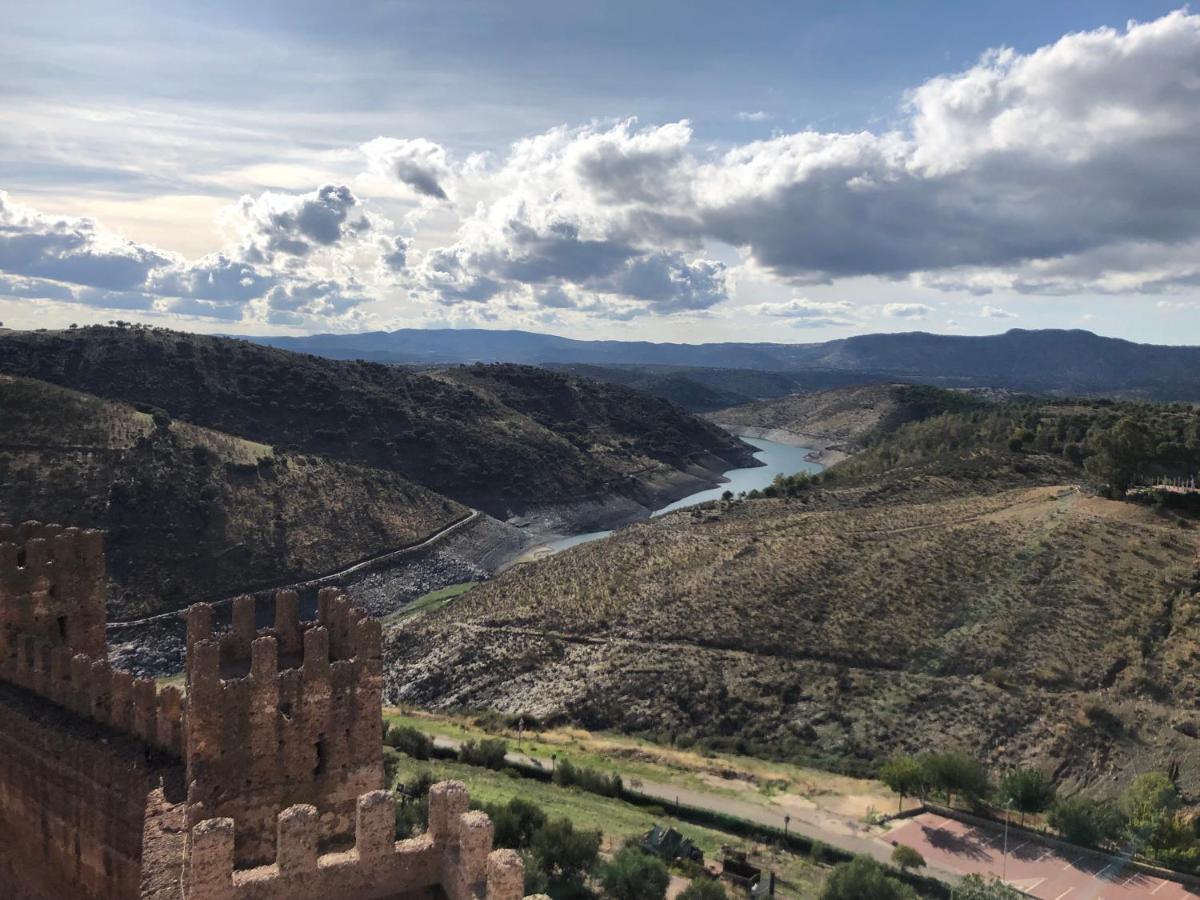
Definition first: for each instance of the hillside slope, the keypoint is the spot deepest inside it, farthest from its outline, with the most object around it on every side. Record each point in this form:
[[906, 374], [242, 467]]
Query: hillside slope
[[504, 439], [192, 513], [952, 586], [839, 422]]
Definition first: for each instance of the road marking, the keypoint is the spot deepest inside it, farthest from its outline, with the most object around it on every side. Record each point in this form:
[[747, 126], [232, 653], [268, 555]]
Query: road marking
[[1071, 863], [1161, 885], [1064, 893], [1105, 869]]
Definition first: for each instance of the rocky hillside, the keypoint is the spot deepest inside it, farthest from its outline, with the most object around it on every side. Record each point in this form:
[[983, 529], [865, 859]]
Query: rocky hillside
[[506, 439], [953, 587], [193, 513]]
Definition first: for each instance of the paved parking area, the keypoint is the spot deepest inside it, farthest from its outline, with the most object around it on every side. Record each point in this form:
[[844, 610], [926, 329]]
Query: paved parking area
[[1037, 868]]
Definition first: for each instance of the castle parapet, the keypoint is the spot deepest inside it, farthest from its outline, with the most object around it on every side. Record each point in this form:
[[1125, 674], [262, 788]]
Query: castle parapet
[[458, 857], [52, 586], [276, 709]]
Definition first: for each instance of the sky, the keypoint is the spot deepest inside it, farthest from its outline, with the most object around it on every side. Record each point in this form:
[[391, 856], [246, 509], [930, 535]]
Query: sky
[[671, 171]]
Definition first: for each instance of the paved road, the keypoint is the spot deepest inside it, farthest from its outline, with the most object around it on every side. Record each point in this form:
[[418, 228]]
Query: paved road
[[848, 834], [1037, 868]]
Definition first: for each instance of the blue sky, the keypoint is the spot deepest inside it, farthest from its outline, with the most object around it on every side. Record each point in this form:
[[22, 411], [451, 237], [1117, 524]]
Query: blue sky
[[670, 171]]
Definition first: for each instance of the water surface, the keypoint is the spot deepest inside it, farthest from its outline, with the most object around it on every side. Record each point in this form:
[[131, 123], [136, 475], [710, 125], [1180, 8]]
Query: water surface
[[776, 459]]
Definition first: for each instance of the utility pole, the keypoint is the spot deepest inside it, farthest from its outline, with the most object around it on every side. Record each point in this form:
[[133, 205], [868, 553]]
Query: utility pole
[[1007, 816]]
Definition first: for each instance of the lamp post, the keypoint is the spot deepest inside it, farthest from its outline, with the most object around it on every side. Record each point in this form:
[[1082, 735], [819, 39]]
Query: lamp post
[[1007, 815], [786, 820]]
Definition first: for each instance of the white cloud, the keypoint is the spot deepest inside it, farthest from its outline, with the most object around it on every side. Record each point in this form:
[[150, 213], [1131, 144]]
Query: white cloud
[[995, 312], [756, 116], [906, 310]]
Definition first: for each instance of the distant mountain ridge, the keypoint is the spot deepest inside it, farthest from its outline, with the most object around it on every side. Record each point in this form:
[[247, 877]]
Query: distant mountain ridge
[[1052, 360]]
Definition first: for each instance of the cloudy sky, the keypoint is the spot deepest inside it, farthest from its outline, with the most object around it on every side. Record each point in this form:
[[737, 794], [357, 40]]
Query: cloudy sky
[[790, 171]]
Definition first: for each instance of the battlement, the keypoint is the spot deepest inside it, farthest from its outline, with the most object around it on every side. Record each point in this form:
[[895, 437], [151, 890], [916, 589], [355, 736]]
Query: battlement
[[456, 853], [283, 713], [94, 690], [52, 586]]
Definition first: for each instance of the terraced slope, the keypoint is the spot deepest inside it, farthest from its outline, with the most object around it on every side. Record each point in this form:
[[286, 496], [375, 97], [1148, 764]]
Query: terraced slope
[[193, 513]]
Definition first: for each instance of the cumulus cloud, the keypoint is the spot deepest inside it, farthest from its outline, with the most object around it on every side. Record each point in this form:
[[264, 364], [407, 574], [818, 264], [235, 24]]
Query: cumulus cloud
[[74, 260], [995, 312], [71, 250], [906, 310], [419, 164], [756, 116], [274, 224]]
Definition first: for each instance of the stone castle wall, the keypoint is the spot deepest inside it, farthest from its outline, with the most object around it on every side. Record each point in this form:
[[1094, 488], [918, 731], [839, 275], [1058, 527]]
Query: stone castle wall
[[262, 782]]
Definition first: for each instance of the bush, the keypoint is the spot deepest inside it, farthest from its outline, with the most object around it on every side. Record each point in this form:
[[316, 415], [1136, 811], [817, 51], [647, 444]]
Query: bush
[[1084, 821], [975, 887], [904, 775], [412, 808], [488, 753], [634, 875], [704, 888], [564, 853], [566, 774], [516, 822], [905, 858], [863, 879], [410, 741]]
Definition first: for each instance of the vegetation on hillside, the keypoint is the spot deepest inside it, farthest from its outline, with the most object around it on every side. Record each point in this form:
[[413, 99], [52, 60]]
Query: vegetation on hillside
[[192, 513], [958, 583], [501, 438]]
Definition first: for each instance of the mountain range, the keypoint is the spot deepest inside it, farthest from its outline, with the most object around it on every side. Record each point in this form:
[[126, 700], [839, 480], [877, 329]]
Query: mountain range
[[1066, 362]]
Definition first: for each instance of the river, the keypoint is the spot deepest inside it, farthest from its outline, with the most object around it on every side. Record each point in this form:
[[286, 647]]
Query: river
[[776, 459]]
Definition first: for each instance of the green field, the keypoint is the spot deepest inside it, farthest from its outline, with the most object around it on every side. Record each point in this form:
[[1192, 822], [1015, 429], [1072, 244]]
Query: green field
[[431, 601], [615, 819]]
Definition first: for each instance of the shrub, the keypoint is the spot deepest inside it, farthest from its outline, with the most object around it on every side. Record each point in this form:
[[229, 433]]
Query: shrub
[[410, 741], [863, 879], [516, 822], [567, 774], [488, 753], [704, 888], [562, 852], [976, 887], [905, 857], [634, 875], [1084, 821]]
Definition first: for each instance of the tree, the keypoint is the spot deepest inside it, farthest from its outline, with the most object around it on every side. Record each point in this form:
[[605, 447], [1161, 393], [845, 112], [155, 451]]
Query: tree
[[905, 857], [975, 887], [903, 774], [1119, 453], [863, 879], [634, 875], [1083, 821], [563, 852], [516, 822], [704, 888], [1151, 808], [1028, 790], [953, 772]]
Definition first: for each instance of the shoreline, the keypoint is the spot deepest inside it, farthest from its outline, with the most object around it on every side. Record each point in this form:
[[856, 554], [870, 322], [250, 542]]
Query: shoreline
[[823, 451]]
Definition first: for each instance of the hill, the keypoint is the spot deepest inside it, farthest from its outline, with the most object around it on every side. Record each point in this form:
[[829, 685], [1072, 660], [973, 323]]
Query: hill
[[192, 513], [840, 422], [1062, 362], [702, 390], [933, 592], [506, 439]]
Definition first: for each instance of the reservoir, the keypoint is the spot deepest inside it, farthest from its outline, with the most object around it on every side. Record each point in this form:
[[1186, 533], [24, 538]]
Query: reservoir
[[776, 459]]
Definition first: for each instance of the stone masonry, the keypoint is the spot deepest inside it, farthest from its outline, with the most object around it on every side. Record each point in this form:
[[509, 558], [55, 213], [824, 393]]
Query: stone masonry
[[263, 780]]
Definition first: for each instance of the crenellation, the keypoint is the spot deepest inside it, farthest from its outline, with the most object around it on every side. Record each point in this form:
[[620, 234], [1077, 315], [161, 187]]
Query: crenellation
[[287, 622], [461, 861], [275, 749]]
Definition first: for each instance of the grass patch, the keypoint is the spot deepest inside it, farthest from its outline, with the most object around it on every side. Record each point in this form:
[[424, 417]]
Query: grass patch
[[428, 602]]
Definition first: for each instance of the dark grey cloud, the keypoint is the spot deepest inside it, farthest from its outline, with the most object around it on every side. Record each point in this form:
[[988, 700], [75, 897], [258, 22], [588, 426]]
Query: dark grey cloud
[[296, 225]]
